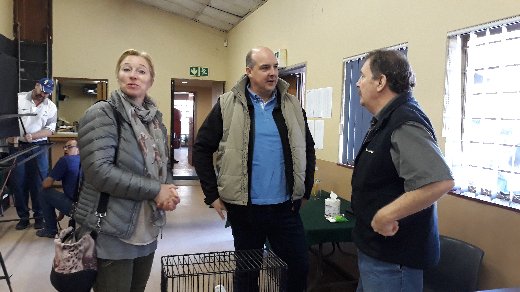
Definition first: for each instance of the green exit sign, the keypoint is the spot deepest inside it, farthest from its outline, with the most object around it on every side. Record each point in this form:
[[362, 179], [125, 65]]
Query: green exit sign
[[199, 71]]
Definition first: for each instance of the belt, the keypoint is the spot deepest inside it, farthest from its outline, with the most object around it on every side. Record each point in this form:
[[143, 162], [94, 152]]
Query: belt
[[35, 142], [27, 144], [274, 206]]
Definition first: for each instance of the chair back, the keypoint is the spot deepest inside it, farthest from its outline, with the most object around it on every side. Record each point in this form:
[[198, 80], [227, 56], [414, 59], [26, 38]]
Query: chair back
[[458, 267]]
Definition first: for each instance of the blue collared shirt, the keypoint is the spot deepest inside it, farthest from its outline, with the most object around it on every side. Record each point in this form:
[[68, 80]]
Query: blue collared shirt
[[268, 182]]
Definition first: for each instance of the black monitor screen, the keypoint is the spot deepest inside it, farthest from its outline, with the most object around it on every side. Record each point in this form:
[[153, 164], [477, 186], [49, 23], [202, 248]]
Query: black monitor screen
[[8, 95]]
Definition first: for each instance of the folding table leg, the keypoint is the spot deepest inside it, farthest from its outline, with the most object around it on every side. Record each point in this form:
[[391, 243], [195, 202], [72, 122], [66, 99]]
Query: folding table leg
[[5, 277]]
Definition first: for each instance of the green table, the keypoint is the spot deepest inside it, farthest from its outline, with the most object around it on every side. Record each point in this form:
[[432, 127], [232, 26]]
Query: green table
[[320, 230]]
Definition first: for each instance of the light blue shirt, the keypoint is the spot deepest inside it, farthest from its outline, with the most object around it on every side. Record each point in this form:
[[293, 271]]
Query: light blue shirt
[[268, 182]]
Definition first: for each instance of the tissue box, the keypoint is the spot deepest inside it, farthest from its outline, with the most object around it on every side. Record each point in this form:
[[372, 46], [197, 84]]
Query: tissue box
[[332, 207]]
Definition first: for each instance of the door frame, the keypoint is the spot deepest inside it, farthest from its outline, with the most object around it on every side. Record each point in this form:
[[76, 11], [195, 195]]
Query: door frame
[[299, 71]]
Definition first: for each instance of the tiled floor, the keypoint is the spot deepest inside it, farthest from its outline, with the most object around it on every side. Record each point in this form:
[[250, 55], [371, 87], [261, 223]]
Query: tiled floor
[[192, 228], [182, 170]]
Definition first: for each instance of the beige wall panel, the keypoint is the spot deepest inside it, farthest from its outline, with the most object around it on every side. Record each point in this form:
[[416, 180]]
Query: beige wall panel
[[494, 229], [323, 33], [89, 37], [334, 178], [6, 18]]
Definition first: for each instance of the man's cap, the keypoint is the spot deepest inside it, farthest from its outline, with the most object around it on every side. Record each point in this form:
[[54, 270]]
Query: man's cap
[[47, 85]]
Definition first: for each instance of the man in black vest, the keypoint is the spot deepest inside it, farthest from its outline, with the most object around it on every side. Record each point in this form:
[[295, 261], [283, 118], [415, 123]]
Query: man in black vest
[[399, 174]]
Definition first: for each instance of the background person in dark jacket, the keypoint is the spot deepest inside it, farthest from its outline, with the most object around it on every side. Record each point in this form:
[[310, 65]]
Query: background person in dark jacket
[[176, 132], [136, 181], [399, 174], [265, 163]]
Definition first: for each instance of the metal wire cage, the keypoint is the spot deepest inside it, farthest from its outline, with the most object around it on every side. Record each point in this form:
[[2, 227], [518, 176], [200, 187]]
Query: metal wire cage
[[227, 271]]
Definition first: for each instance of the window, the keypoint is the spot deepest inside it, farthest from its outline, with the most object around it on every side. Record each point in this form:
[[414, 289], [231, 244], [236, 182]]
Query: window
[[481, 116], [355, 119]]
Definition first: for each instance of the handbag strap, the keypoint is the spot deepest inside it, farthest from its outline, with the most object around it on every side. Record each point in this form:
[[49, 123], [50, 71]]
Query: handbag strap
[[75, 198], [103, 198]]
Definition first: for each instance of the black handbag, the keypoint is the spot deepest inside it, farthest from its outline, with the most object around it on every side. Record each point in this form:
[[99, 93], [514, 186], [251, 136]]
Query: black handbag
[[74, 267], [75, 263]]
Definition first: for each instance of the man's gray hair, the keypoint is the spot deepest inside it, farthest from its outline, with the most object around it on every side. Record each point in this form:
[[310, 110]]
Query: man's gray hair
[[250, 63]]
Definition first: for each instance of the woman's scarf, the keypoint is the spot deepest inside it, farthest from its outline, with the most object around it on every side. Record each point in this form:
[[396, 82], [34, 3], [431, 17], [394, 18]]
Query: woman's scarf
[[151, 141], [150, 137]]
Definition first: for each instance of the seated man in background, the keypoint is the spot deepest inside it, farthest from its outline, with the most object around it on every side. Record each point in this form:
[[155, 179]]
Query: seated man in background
[[67, 170]]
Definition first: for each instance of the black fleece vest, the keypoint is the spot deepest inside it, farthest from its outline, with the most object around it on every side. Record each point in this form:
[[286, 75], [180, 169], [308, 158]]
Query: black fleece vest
[[375, 183]]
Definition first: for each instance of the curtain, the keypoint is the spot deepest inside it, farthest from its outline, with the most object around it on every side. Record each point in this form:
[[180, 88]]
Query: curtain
[[356, 119]]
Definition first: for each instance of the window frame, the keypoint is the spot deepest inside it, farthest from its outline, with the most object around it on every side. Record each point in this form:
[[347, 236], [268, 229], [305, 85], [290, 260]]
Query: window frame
[[463, 71]]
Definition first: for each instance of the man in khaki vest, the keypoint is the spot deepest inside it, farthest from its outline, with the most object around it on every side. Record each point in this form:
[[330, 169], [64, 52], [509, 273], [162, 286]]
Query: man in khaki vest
[[265, 166]]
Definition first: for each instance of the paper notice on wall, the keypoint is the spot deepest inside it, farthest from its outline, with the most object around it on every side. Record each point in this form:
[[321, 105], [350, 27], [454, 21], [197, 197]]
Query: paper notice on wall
[[309, 103], [316, 128], [310, 123], [319, 129], [326, 102], [318, 102]]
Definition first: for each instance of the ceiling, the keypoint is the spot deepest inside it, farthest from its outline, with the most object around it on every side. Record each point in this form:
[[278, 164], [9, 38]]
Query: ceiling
[[219, 14]]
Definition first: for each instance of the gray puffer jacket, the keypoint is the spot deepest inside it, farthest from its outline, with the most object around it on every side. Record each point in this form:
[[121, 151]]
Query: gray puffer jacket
[[124, 181]]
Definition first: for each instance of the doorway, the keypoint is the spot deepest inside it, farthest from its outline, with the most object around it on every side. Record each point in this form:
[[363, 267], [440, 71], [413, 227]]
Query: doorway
[[295, 76], [193, 99], [183, 111]]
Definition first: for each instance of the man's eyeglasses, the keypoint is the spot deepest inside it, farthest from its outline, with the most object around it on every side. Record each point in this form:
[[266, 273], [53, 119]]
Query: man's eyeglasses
[[66, 147]]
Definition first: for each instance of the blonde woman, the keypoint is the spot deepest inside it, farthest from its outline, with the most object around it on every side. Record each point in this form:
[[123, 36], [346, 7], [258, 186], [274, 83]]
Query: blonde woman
[[124, 153]]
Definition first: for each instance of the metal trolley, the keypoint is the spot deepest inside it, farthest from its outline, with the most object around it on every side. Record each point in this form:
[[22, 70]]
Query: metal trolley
[[255, 270]]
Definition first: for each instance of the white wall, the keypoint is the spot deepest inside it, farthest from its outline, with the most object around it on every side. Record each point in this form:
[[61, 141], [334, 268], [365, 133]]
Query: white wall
[[89, 37], [323, 33], [6, 18]]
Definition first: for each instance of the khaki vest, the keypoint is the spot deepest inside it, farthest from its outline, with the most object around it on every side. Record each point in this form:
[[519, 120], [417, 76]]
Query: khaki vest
[[232, 154]]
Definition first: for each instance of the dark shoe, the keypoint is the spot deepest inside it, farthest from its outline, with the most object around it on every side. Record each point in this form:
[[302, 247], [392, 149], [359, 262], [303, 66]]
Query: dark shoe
[[38, 224], [175, 161], [22, 224], [46, 233]]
